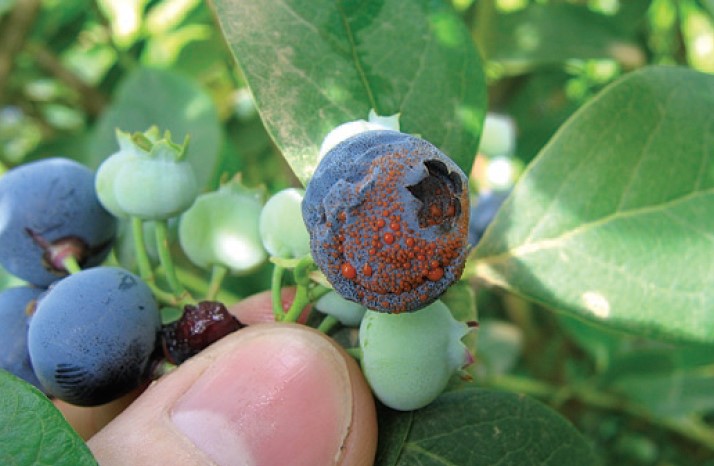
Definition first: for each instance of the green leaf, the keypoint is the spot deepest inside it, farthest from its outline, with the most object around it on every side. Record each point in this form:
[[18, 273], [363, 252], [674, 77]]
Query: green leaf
[[460, 298], [613, 220], [170, 101], [552, 34], [480, 427], [33, 431], [314, 64]]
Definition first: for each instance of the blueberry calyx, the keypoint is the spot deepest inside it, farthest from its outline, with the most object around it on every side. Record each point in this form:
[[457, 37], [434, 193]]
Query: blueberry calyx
[[56, 252]]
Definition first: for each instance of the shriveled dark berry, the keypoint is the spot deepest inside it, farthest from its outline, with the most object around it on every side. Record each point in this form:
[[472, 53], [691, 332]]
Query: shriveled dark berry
[[200, 325], [388, 217]]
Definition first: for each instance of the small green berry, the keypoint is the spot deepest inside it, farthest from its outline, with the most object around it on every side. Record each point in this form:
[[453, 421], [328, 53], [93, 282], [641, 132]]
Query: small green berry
[[221, 228], [282, 229], [347, 312], [408, 358], [147, 178]]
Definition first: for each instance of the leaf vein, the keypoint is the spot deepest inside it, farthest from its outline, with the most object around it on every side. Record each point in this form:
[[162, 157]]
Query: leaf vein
[[355, 57], [641, 157], [565, 182], [548, 243], [423, 451]]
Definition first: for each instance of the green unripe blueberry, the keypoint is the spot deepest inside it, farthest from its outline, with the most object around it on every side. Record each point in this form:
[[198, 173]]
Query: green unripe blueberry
[[408, 358], [152, 182], [282, 229], [107, 173], [347, 312], [221, 228]]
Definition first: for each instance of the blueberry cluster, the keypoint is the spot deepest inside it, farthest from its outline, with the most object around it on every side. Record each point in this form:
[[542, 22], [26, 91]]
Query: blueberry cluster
[[87, 333], [87, 337], [385, 218], [388, 217]]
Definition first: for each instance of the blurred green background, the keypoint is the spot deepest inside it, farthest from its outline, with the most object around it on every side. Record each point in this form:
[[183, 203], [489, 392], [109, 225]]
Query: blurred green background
[[73, 70]]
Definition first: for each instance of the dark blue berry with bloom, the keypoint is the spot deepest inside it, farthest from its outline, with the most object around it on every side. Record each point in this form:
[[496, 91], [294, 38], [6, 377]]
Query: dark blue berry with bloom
[[483, 212], [388, 217]]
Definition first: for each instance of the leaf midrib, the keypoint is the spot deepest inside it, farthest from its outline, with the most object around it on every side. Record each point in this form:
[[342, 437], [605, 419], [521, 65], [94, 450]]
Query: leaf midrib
[[355, 57], [548, 243]]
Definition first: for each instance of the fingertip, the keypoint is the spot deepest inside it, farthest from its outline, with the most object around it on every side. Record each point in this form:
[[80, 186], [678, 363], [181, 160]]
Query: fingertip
[[88, 420], [276, 393]]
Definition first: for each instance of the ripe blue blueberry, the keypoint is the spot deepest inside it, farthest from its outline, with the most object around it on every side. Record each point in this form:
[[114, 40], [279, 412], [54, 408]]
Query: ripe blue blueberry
[[49, 209], [92, 336], [388, 216], [15, 307]]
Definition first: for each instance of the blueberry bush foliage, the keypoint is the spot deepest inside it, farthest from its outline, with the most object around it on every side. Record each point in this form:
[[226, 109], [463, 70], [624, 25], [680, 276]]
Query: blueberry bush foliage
[[593, 283]]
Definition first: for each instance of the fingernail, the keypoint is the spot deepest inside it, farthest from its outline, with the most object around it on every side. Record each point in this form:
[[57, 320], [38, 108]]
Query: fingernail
[[281, 396]]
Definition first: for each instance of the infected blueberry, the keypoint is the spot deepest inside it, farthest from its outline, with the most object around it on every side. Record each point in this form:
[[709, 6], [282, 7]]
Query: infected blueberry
[[388, 217], [200, 325]]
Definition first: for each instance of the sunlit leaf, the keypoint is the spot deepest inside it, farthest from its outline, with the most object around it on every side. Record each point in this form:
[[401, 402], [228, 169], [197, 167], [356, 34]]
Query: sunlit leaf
[[313, 64], [552, 34], [613, 220]]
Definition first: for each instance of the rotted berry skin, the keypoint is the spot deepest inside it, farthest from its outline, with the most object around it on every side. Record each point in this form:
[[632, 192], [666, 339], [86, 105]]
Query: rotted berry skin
[[199, 326], [388, 217]]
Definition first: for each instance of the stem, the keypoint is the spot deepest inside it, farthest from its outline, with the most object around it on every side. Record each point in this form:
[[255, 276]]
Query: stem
[[276, 287], [195, 283], [327, 324], [91, 99], [301, 300], [144, 264], [218, 273], [142, 258], [16, 26], [162, 246], [71, 265], [302, 270], [163, 296], [318, 291]]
